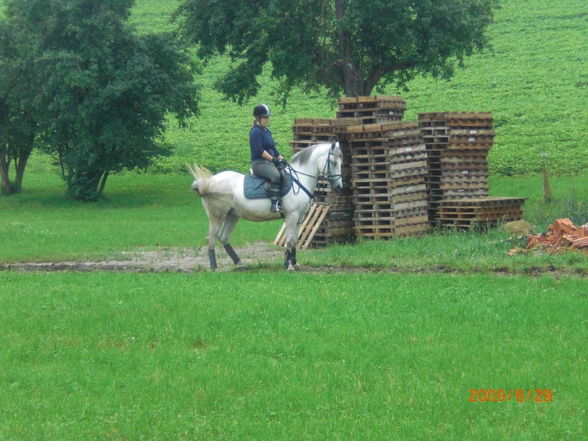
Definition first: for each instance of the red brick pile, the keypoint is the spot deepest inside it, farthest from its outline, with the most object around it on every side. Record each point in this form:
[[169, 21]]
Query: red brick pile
[[561, 236]]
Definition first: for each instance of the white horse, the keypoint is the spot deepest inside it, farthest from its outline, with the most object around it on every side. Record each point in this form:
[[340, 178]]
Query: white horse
[[224, 200]]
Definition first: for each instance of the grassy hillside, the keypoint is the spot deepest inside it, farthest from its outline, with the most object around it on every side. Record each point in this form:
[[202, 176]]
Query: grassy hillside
[[535, 82]]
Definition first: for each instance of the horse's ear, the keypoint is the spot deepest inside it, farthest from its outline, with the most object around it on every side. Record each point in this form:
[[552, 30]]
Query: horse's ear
[[334, 146]]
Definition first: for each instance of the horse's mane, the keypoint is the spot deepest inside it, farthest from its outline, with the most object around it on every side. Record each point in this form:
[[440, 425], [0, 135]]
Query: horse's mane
[[303, 156]]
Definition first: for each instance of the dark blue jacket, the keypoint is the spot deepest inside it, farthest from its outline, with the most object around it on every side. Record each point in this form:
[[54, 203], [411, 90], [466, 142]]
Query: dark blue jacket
[[260, 139]]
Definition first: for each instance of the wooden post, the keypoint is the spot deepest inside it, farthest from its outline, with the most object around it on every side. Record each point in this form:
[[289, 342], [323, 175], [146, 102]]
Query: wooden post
[[547, 194]]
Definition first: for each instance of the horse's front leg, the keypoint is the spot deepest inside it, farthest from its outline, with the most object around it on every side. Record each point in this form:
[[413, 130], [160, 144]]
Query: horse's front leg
[[290, 259], [291, 240]]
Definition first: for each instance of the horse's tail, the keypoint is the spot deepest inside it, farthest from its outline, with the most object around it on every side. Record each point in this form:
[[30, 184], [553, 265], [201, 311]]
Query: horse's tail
[[201, 175]]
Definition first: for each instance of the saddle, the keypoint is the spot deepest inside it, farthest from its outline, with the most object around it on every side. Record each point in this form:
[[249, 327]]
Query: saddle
[[255, 187]]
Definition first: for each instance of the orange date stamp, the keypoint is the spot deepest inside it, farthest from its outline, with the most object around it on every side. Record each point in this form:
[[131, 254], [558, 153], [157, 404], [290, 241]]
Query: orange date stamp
[[502, 395]]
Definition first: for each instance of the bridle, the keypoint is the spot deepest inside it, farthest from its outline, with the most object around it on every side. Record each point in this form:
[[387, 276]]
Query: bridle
[[326, 173]]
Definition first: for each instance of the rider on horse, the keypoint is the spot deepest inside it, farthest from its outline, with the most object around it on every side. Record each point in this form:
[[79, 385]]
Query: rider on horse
[[266, 160]]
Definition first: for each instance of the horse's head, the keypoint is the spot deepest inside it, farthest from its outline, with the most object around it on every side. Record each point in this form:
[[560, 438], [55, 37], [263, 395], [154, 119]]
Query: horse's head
[[332, 167]]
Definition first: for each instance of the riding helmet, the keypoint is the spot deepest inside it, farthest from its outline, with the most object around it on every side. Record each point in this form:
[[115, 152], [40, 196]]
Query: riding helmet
[[261, 111]]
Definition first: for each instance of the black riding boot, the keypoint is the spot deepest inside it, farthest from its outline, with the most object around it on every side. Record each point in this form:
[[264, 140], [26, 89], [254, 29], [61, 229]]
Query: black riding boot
[[275, 198]]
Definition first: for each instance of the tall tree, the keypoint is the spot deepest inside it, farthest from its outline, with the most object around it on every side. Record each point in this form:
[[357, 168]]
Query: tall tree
[[346, 46], [17, 126], [103, 92]]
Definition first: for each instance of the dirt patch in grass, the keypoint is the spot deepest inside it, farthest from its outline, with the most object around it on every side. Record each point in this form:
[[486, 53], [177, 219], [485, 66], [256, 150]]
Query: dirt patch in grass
[[257, 256], [161, 260]]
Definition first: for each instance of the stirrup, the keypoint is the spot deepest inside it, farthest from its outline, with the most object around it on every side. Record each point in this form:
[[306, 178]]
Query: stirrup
[[276, 206]]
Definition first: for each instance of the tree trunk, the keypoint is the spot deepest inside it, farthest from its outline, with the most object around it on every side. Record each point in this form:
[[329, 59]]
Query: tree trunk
[[350, 77], [102, 183], [4, 173], [21, 164], [82, 185], [372, 80]]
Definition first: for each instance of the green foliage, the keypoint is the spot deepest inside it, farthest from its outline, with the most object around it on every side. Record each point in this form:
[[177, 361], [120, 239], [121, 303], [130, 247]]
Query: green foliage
[[345, 46], [17, 127], [103, 91], [289, 357]]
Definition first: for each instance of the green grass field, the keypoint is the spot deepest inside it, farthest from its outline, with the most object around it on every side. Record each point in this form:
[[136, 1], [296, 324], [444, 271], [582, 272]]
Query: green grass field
[[289, 357]]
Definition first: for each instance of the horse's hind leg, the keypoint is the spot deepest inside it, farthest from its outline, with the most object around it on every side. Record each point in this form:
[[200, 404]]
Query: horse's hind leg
[[213, 228], [224, 234]]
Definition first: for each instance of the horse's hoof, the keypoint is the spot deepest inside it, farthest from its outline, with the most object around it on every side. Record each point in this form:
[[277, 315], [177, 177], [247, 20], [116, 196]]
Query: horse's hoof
[[240, 264], [291, 267]]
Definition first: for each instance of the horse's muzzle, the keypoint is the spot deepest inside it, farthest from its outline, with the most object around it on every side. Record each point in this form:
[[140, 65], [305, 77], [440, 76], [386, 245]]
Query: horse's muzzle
[[336, 183]]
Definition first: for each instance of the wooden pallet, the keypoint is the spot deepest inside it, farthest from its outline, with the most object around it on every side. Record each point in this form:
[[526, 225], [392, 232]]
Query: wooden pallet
[[308, 229], [321, 124], [484, 202], [373, 131], [309, 131], [371, 100], [390, 232], [372, 109], [465, 213], [456, 119], [370, 118], [389, 167]]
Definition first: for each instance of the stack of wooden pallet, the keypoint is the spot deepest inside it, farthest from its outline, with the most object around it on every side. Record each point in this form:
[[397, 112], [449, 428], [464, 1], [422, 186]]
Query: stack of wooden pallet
[[388, 170], [309, 131], [399, 177], [457, 183], [466, 213], [376, 109], [457, 145]]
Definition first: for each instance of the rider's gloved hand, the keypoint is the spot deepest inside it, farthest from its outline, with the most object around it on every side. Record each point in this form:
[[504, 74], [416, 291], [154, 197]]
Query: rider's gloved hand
[[280, 163]]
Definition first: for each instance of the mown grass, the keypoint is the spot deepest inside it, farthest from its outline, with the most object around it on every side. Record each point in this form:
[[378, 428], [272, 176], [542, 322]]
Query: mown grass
[[157, 212], [139, 211], [289, 357]]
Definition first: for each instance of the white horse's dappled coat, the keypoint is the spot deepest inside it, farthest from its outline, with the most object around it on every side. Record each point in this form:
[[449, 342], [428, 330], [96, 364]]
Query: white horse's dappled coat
[[225, 203]]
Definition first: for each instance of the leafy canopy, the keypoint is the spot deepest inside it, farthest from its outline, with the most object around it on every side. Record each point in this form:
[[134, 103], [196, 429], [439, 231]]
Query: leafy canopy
[[348, 46], [102, 92]]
